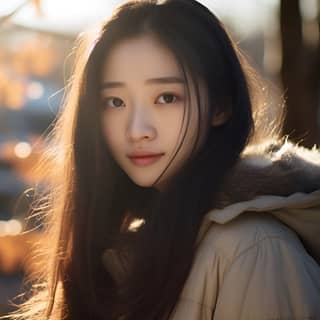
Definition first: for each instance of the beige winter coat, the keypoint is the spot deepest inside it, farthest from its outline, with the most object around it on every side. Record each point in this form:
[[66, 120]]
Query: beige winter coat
[[259, 259], [258, 254], [252, 266]]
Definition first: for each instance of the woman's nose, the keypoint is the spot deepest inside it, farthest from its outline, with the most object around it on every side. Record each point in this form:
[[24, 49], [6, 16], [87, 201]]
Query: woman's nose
[[140, 125]]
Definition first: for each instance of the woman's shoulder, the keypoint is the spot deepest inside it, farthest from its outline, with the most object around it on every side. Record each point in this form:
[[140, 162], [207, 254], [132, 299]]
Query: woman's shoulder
[[260, 265], [252, 267]]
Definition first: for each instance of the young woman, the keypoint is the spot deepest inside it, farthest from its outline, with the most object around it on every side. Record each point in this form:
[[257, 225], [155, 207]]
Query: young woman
[[166, 203]]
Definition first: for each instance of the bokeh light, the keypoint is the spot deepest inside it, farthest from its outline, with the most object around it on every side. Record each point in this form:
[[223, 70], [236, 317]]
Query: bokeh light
[[22, 150]]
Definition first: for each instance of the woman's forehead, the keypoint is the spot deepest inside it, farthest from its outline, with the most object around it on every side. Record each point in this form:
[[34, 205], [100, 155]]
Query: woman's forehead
[[143, 56]]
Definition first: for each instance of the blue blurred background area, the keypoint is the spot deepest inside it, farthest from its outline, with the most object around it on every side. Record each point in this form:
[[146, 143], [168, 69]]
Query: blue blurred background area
[[279, 37]]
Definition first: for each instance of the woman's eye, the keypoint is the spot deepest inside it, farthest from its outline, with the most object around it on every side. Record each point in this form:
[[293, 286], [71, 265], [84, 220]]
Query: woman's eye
[[112, 102], [168, 98]]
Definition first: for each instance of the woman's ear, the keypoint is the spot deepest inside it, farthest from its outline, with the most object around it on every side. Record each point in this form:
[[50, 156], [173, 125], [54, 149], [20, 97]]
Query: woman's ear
[[220, 118]]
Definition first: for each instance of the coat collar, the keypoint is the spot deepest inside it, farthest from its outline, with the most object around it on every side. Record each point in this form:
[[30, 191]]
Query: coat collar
[[278, 177]]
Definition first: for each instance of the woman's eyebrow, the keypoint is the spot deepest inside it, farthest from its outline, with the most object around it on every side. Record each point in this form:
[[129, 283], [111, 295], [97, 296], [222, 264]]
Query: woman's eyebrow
[[162, 80]]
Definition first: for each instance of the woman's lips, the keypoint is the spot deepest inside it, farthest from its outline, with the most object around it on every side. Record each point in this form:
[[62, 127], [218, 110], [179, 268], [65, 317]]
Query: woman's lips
[[145, 160]]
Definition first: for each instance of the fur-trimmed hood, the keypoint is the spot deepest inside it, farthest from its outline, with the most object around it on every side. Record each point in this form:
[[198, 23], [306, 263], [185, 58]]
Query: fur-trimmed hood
[[277, 177], [278, 168]]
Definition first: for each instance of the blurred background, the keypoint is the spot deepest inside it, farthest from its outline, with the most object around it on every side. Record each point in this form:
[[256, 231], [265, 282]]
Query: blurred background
[[280, 38]]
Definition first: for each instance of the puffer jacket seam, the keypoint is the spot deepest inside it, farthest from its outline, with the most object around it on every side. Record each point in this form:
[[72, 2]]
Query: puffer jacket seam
[[253, 246], [197, 302]]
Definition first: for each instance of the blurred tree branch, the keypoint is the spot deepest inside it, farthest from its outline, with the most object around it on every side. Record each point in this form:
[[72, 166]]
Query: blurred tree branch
[[7, 17], [300, 75]]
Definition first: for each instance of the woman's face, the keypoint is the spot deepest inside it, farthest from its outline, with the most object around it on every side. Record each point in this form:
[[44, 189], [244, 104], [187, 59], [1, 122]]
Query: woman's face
[[143, 97]]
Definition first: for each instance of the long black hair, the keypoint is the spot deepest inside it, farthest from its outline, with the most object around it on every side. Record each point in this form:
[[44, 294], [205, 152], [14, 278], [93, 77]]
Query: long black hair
[[93, 201]]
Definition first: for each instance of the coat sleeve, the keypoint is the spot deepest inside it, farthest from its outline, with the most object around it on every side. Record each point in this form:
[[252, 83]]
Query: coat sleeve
[[275, 278]]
